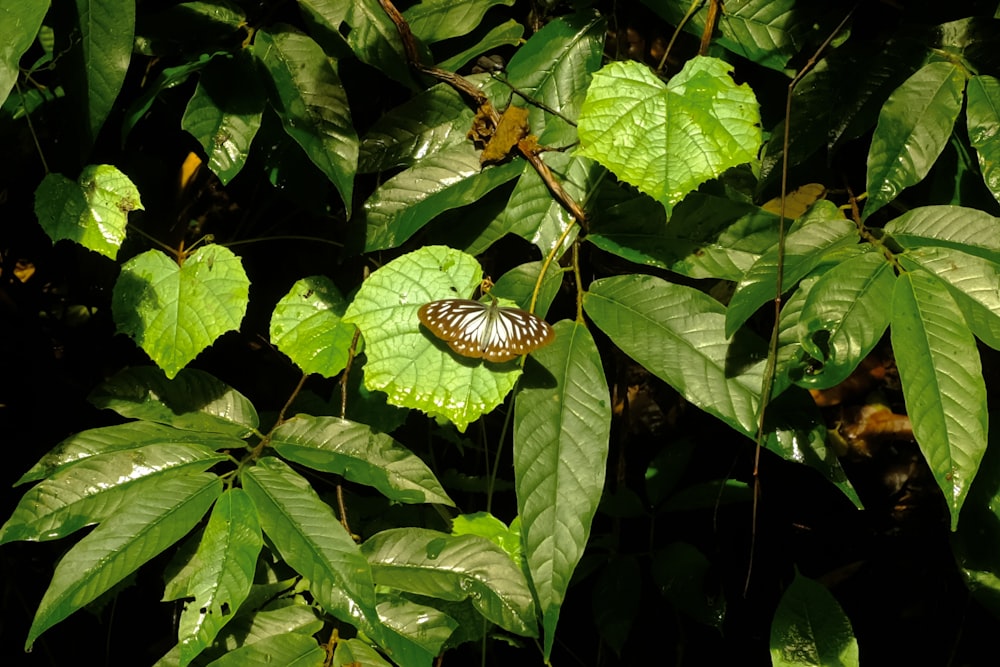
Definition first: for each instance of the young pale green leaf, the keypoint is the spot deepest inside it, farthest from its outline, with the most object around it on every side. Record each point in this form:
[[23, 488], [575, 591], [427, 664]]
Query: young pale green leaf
[[554, 67], [312, 104], [535, 215], [423, 629], [496, 531], [221, 572], [92, 212], [426, 562], [942, 380], [354, 652], [98, 47], [436, 20], [965, 229], [974, 283], [668, 139], [445, 180], [707, 236], [192, 401], [913, 128], [804, 250], [20, 22], [810, 629], [225, 112], [982, 116], [90, 490], [306, 325], [290, 648], [361, 456], [415, 369], [844, 316], [676, 332], [507, 33], [424, 125], [562, 423], [108, 439], [152, 521], [173, 311], [309, 538]]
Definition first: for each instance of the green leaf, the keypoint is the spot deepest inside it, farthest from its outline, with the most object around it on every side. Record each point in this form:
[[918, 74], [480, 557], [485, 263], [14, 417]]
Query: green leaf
[[95, 57], [535, 215], [844, 316], [19, 23], [193, 401], [942, 380], [361, 456], [306, 325], [912, 130], [427, 123], [444, 180], [964, 229], [555, 67], [426, 562], [376, 42], [91, 489], [982, 116], [617, 595], [131, 435], [810, 629], [224, 114], [174, 311], [684, 577], [804, 249], [148, 524], [706, 237], [423, 629], [493, 529], [518, 285], [436, 20], [415, 369], [168, 78], [973, 283], [562, 423], [312, 104], [221, 572], [676, 332], [668, 139], [507, 33], [292, 649], [355, 653], [92, 212], [310, 539]]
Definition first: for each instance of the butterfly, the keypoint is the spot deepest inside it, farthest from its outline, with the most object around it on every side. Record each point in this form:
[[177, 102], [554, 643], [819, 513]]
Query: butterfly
[[485, 330]]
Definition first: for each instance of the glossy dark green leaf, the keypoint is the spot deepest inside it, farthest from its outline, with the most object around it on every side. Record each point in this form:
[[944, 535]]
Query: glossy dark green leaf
[[804, 249], [942, 380], [193, 401], [312, 104], [562, 426], [506, 34], [360, 455], [958, 227], [912, 130], [677, 333], [982, 118], [148, 524], [683, 575], [436, 20], [225, 112], [437, 565], [19, 22], [810, 629]]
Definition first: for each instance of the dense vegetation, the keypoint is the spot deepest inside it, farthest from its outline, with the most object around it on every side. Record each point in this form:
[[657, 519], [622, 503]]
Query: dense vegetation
[[764, 234]]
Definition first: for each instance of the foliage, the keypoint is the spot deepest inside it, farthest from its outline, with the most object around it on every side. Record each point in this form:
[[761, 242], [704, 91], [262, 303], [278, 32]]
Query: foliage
[[431, 503]]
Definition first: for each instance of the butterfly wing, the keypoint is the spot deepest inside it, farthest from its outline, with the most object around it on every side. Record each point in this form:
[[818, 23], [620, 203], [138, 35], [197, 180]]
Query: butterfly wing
[[515, 332], [479, 330]]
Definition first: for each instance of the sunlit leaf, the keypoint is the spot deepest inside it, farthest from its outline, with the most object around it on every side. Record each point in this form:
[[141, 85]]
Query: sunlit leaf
[[306, 325], [810, 629]]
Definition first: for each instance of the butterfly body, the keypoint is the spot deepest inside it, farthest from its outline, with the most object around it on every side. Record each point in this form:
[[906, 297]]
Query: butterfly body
[[485, 330]]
